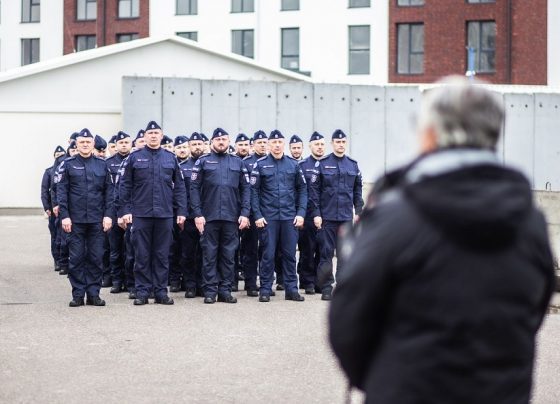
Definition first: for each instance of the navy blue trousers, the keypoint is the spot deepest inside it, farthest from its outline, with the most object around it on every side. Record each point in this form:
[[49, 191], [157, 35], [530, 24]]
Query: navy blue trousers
[[151, 238], [328, 239], [218, 242], [281, 233], [85, 246], [52, 231], [129, 260], [117, 254], [61, 244], [191, 260], [249, 251], [175, 273], [309, 255], [106, 258]]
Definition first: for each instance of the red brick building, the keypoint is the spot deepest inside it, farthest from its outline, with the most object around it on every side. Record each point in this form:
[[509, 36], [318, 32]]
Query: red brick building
[[428, 39], [93, 23]]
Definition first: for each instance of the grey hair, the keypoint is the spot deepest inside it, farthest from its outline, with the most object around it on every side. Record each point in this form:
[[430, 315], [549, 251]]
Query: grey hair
[[462, 114]]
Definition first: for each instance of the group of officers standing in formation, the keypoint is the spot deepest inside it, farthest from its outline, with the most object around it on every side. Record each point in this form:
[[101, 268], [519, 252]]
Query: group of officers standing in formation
[[198, 215]]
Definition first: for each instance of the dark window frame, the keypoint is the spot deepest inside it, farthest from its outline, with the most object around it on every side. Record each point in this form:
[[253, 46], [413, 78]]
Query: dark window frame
[[479, 50], [243, 33], [190, 7], [132, 17], [358, 50], [85, 10], [282, 55], [480, 1], [410, 5], [410, 52], [87, 38], [244, 6], [24, 59], [31, 4], [130, 34]]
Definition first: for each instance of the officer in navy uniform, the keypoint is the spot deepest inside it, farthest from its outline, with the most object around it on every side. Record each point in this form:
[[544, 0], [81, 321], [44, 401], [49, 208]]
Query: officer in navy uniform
[[336, 192], [46, 200], [296, 147], [117, 233], [221, 201], [112, 146], [191, 260], [180, 145], [99, 146], [99, 149], [249, 248], [152, 193], [206, 143], [279, 202], [167, 143], [139, 141], [85, 210], [309, 252], [61, 245]]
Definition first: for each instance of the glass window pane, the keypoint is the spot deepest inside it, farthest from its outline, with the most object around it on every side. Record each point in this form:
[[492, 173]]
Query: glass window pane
[[402, 48], [359, 3], [135, 8], [81, 13], [91, 42], [35, 50], [248, 6], [35, 13], [489, 35], [473, 34], [359, 37], [417, 38], [416, 2], [124, 8], [417, 63], [291, 63], [359, 62], [25, 11], [290, 4], [290, 42], [236, 42], [487, 61], [248, 42], [91, 11]]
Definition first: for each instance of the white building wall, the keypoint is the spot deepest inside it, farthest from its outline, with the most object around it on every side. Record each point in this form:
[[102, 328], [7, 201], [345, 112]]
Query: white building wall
[[553, 43], [12, 31], [323, 33]]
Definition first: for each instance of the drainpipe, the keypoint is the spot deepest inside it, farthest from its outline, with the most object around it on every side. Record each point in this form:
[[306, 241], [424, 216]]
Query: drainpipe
[[104, 22], [509, 25]]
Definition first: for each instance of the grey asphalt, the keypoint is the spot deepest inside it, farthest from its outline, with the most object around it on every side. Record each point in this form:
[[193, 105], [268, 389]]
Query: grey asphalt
[[187, 353]]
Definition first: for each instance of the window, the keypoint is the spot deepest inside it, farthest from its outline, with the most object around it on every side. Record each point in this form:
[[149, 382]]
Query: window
[[358, 3], [407, 3], [187, 7], [242, 42], [242, 6], [30, 50], [410, 48], [482, 37], [85, 42], [193, 35], [30, 10], [290, 5], [290, 48], [129, 8], [358, 49], [481, 1], [126, 37], [86, 10]]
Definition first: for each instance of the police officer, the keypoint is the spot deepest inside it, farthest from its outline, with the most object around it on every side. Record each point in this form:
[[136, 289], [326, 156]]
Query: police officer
[[61, 245], [220, 198], [117, 233], [336, 191], [167, 143], [99, 147], [309, 253], [249, 248], [112, 146], [296, 147], [151, 193], [85, 209], [206, 143], [139, 141], [191, 253], [181, 148], [46, 200], [279, 202]]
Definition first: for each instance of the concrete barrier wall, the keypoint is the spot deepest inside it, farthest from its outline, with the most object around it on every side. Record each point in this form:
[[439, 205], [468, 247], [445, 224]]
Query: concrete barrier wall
[[378, 119]]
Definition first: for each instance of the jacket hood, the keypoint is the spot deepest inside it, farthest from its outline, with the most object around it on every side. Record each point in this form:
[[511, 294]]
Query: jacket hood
[[471, 196]]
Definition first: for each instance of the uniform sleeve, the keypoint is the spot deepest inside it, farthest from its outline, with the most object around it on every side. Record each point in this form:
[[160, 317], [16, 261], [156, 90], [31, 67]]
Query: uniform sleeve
[[195, 188], [45, 190], [54, 183], [358, 199], [62, 189], [109, 194], [180, 198], [315, 191], [255, 180], [245, 191], [301, 189], [125, 188]]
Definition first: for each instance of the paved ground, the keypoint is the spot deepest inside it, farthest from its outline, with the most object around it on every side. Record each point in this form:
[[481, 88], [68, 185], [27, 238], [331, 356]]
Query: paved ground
[[190, 352]]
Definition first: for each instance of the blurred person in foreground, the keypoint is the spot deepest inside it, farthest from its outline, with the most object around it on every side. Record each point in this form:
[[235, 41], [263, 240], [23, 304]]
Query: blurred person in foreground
[[449, 272]]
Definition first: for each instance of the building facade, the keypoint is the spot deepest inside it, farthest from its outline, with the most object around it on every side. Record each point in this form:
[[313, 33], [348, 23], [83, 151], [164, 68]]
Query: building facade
[[30, 31], [507, 40], [92, 23], [332, 41]]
